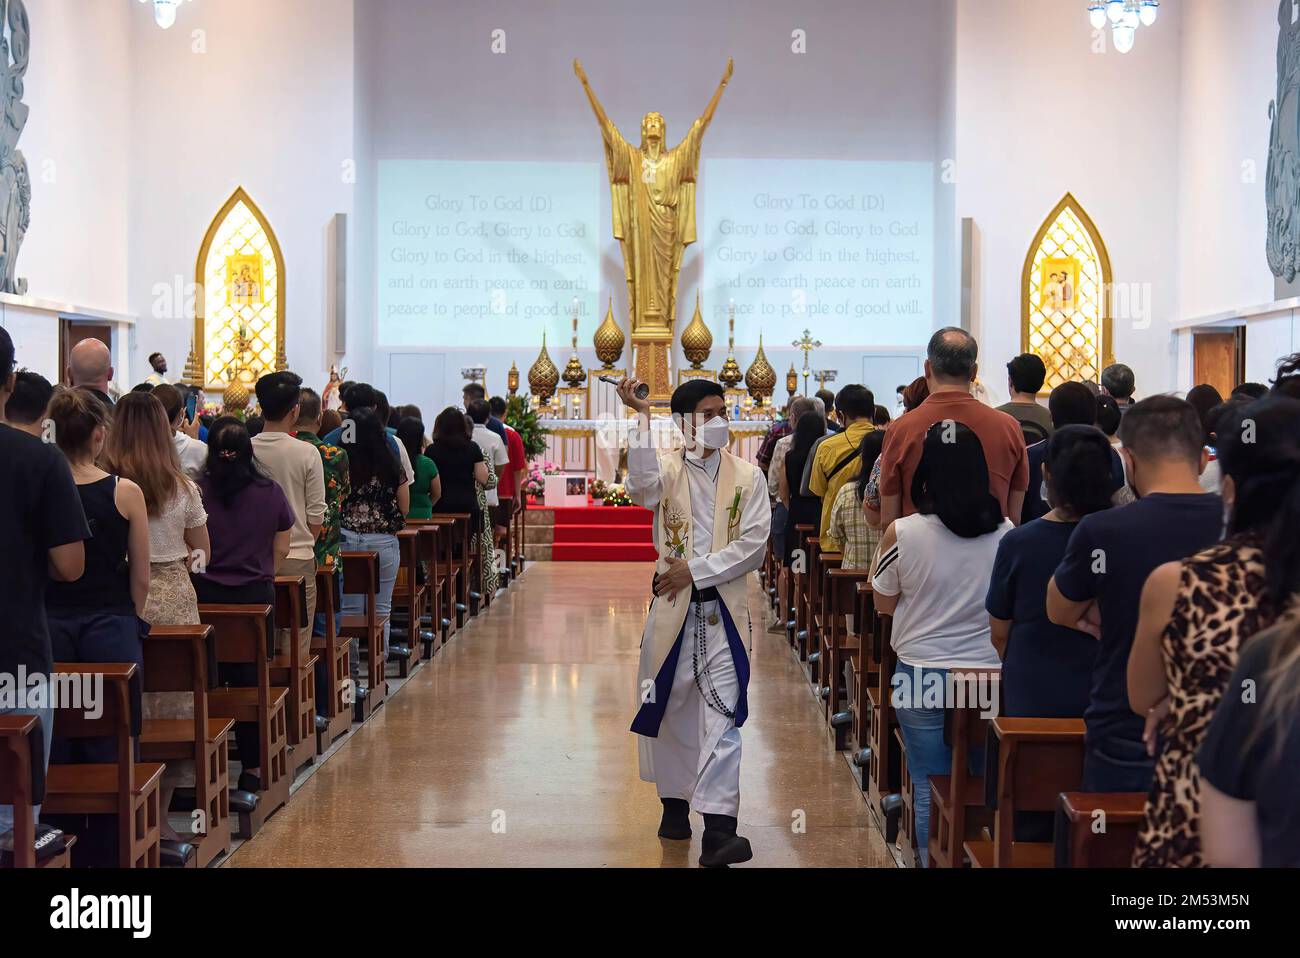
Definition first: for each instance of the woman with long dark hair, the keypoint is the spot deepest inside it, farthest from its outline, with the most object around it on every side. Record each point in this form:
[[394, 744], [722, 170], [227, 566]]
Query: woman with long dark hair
[[800, 510], [249, 524], [1198, 613], [931, 575], [460, 465], [374, 510], [1047, 668], [427, 487]]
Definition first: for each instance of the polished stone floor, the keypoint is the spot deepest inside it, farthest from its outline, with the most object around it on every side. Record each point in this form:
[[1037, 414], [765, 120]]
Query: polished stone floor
[[511, 748]]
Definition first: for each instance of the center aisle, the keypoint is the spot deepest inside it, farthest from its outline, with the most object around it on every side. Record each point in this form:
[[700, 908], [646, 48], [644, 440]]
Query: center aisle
[[511, 748]]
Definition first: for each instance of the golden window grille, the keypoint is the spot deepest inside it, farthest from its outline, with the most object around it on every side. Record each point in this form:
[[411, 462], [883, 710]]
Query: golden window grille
[[1070, 331], [239, 229]]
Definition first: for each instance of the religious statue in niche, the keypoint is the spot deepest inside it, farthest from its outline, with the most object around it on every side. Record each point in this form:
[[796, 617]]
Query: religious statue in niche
[[244, 280], [1282, 183], [1060, 282], [15, 183]]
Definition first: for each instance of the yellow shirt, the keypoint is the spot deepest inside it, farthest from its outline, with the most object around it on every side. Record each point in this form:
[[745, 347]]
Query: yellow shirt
[[833, 450]]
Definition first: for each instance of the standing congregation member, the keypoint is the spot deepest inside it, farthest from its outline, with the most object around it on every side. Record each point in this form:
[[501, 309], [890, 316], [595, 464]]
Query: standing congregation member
[[25, 409], [460, 465], [833, 463], [374, 511], [250, 525], [190, 450], [932, 575], [1118, 382], [497, 457], [849, 532], [1025, 377], [158, 365], [1047, 668], [1109, 556], [711, 523], [473, 391], [90, 367], [1206, 400], [1198, 613], [510, 482], [798, 407], [427, 488], [43, 529], [359, 396], [297, 469], [950, 367], [801, 509]]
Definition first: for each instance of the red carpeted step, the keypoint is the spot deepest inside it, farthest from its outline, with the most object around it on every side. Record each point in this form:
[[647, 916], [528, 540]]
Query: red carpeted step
[[603, 515], [603, 533], [602, 552]]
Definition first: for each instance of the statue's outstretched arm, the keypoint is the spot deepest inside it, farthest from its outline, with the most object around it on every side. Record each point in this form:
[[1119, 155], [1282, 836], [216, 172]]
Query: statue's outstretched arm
[[707, 118], [601, 117]]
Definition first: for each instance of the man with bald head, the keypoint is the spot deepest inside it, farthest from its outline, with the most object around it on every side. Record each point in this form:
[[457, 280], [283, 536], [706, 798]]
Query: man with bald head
[[90, 367], [950, 368]]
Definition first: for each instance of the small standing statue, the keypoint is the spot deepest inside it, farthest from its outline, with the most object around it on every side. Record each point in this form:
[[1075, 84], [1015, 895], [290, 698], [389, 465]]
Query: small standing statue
[[329, 396], [15, 183]]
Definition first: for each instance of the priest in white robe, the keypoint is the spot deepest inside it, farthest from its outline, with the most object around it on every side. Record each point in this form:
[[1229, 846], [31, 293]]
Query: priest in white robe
[[711, 523]]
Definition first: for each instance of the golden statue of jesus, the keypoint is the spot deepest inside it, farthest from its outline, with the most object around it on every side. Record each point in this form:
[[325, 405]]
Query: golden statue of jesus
[[652, 194]]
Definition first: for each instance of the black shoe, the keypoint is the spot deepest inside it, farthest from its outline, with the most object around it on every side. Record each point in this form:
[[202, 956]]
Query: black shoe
[[676, 821], [249, 783], [721, 845], [174, 854]]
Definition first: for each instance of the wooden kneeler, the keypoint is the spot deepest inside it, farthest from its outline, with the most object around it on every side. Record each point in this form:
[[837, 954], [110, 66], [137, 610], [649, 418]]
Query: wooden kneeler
[[176, 660], [125, 789], [819, 619], [22, 785], [884, 767], [428, 545], [839, 646], [296, 671], [335, 651], [242, 634], [361, 577]]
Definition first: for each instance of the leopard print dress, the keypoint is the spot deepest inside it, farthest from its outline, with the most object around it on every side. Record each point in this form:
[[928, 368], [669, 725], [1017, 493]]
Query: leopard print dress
[[1220, 603]]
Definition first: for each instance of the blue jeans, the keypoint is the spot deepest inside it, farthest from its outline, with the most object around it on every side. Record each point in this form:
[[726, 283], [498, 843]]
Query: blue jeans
[[389, 559], [98, 637], [1116, 765], [926, 752], [47, 724]]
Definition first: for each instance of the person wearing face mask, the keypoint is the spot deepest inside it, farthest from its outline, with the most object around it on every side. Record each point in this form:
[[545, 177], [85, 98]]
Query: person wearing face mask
[[1098, 585], [1198, 613], [711, 523]]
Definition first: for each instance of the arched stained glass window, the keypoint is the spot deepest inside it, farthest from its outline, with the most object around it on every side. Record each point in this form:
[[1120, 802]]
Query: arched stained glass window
[[239, 306], [1065, 297]]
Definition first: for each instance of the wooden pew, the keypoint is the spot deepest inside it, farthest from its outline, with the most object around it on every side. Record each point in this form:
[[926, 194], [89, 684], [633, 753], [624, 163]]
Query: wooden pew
[[126, 789], [884, 767], [907, 792], [456, 595], [864, 668], [334, 650], [839, 645], [242, 634], [22, 785], [1098, 829], [819, 620], [957, 809], [521, 532], [428, 546], [800, 573], [1038, 759], [176, 660], [361, 577], [293, 670], [408, 601]]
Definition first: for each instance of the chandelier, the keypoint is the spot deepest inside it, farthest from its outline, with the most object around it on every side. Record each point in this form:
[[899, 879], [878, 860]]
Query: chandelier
[[164, 11], [1124, 17]]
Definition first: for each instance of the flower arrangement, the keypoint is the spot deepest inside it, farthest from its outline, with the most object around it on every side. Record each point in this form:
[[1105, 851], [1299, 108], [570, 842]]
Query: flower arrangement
[[598, 489], [535, 481], [617, 496]]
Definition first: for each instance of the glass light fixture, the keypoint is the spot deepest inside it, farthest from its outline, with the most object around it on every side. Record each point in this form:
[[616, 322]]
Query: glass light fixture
[[1122, 37], [1131, 18], [1097, 14], [164, 11], [1148, 11], [1115, 10]]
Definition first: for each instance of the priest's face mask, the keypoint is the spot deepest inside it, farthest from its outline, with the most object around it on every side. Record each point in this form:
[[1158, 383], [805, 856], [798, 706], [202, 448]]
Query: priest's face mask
[[705, 429]]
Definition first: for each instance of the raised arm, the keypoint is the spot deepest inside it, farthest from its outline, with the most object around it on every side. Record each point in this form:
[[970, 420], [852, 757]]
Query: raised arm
[[606, 127], [707, 118]]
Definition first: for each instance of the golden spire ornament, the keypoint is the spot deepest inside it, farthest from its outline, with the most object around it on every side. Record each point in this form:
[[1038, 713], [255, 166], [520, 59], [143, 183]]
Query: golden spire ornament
[[730, 375], [543, 377], [609, 339], [193, 368], [761, 377], [573, 373], [696, 338]]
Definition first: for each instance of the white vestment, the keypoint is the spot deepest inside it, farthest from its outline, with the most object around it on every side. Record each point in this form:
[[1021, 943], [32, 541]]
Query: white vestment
[[696, 754]]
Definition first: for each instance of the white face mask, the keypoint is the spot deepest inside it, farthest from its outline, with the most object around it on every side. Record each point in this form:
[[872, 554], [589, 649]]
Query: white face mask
[[714, 434]]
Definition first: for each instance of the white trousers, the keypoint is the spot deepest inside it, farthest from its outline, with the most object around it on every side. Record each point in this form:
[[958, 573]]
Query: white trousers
[[697, 754]]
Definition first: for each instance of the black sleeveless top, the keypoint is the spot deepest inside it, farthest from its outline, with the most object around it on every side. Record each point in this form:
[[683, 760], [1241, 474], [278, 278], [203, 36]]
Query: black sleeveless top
[[105, 586]]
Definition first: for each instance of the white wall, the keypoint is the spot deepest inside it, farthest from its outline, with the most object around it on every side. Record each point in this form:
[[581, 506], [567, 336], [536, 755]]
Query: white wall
[[1113, 143]]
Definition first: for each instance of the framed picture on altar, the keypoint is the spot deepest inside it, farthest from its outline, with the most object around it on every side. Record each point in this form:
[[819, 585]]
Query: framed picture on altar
[[244, 281], [565, 490], [1059, 281]]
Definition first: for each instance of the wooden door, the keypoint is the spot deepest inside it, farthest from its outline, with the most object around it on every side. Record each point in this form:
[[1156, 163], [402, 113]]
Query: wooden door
[[1219, 359]]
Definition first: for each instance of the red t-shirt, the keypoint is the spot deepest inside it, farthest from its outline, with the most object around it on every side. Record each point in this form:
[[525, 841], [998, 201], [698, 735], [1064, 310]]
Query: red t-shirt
[[999, 434], [518, 462]]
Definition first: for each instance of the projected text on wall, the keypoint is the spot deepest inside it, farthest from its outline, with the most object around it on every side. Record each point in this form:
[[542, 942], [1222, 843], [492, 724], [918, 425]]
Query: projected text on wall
[[485, 253]]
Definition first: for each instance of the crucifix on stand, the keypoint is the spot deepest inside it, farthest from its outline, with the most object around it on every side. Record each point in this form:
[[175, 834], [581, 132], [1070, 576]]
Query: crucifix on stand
[[807, 344]]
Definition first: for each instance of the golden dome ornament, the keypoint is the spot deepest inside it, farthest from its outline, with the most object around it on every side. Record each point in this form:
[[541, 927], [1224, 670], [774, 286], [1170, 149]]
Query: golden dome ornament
[[609, 339], [730, 375], [543, 377], [235, 399], [760, 378], [574, 375], [696, 339], [512, 380]]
